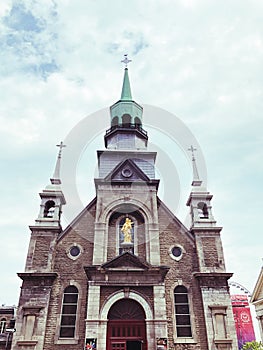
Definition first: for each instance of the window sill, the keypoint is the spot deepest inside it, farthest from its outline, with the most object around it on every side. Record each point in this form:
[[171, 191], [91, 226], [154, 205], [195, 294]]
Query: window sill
[[67, 341], [26, 342], [184, 341]]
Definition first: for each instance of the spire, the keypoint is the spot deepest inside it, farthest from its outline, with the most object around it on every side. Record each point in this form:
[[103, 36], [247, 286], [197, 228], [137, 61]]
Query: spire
[[126, 88], [55, 180], [196, 180]]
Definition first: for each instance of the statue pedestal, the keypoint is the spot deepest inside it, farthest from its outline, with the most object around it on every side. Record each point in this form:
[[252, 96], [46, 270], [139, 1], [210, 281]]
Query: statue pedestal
[[126, 247]]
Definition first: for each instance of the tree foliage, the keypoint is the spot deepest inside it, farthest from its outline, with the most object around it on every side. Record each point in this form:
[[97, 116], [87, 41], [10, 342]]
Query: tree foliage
[[253, 345]]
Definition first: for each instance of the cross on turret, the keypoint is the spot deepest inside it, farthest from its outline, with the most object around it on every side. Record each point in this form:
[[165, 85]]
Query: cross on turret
[[126, 61]]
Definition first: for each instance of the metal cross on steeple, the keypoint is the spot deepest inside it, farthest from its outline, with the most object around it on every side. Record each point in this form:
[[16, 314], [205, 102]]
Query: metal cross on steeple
[[192, 149], [126, 61], [196, 181], [61, 145], [56, 176]]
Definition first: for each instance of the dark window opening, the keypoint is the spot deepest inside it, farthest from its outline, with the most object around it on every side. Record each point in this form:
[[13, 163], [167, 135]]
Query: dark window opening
[[2, 325], [49, 209], [137, 121], [126, 120], [115, 121], [182, 312], [69, 312], [202, 210]]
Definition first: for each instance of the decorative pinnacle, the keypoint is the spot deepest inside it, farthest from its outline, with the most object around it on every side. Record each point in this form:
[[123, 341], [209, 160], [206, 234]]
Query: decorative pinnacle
[[126, 61], [56, 176], [196, 181]]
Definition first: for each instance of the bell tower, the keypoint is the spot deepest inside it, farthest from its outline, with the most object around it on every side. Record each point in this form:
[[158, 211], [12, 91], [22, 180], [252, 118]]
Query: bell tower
[[39, 275], [211, 276], [47, 225]]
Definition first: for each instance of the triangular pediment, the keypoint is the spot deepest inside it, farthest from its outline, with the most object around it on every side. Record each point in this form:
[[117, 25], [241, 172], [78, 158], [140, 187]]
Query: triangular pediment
[[126, 260], [127, 171]]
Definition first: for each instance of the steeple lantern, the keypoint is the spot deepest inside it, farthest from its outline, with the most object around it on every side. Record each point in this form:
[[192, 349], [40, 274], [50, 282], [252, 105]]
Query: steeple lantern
[[126, 119]]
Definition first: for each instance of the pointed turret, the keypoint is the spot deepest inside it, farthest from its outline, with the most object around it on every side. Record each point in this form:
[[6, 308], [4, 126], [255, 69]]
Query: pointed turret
[[126, 120], [199, 200], [126, 87], [55, 180], [52, 198]]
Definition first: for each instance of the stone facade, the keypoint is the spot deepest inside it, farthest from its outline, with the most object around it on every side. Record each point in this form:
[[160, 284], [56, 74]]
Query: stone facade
[[126, 273], [257, 301]]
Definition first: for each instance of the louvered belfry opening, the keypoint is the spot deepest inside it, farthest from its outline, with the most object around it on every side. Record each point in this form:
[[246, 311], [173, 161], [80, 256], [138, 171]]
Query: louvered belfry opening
[[126, 326]]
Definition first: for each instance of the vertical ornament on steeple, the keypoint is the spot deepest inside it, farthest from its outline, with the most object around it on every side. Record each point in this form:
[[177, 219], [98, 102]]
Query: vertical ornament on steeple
[[56, 176], [196, 180]]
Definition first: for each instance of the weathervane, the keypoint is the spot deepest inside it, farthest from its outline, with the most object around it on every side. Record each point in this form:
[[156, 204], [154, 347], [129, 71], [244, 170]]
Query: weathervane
[[126, 61]]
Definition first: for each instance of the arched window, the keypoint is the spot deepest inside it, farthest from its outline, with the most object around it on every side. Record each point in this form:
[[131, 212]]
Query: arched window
[[202, 210], [2, 325], [114, 121], [126, 120], [69, 312], [182, 312], [137, 121], [49, 209]]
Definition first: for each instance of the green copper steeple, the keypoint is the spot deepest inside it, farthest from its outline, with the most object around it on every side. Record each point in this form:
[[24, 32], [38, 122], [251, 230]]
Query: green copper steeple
[[126, 111], [126, 119], [126, 88]]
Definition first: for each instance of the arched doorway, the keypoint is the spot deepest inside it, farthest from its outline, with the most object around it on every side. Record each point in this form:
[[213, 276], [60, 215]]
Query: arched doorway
[[126, 326]]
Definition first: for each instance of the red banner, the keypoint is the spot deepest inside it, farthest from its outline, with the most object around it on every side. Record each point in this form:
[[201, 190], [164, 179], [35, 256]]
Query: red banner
[[243, 320]]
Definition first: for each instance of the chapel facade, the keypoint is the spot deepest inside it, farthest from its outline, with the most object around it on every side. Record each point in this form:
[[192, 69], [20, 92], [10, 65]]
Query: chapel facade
[[126, 274]]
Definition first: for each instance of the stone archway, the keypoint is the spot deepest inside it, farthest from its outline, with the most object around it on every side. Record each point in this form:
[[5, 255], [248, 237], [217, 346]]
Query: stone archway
[[141, 301], [126, 329]]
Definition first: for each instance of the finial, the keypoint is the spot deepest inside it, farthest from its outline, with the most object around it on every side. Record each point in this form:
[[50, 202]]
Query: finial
[[56, 176], [126, 61], [196, 181]]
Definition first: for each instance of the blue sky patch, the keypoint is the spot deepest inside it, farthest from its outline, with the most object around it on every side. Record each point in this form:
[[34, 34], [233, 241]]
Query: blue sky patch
[[21, 19]]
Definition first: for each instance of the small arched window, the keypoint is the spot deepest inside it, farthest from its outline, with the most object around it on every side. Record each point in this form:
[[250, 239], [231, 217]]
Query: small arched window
[[114, 121], [69, 312], [137, 121], [49, 209], [126, 120], [2, 325], [182, 312], [202, 210]]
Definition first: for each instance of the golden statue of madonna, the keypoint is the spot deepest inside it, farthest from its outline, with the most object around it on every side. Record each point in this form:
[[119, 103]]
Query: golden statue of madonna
[[127, 230]]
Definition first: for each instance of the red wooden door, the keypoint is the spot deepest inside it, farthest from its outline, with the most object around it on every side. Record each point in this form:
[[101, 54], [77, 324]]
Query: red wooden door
[[126, 326]]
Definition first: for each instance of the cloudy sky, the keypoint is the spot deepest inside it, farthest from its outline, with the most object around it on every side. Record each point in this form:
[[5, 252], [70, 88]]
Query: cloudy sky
[[200, 60]]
